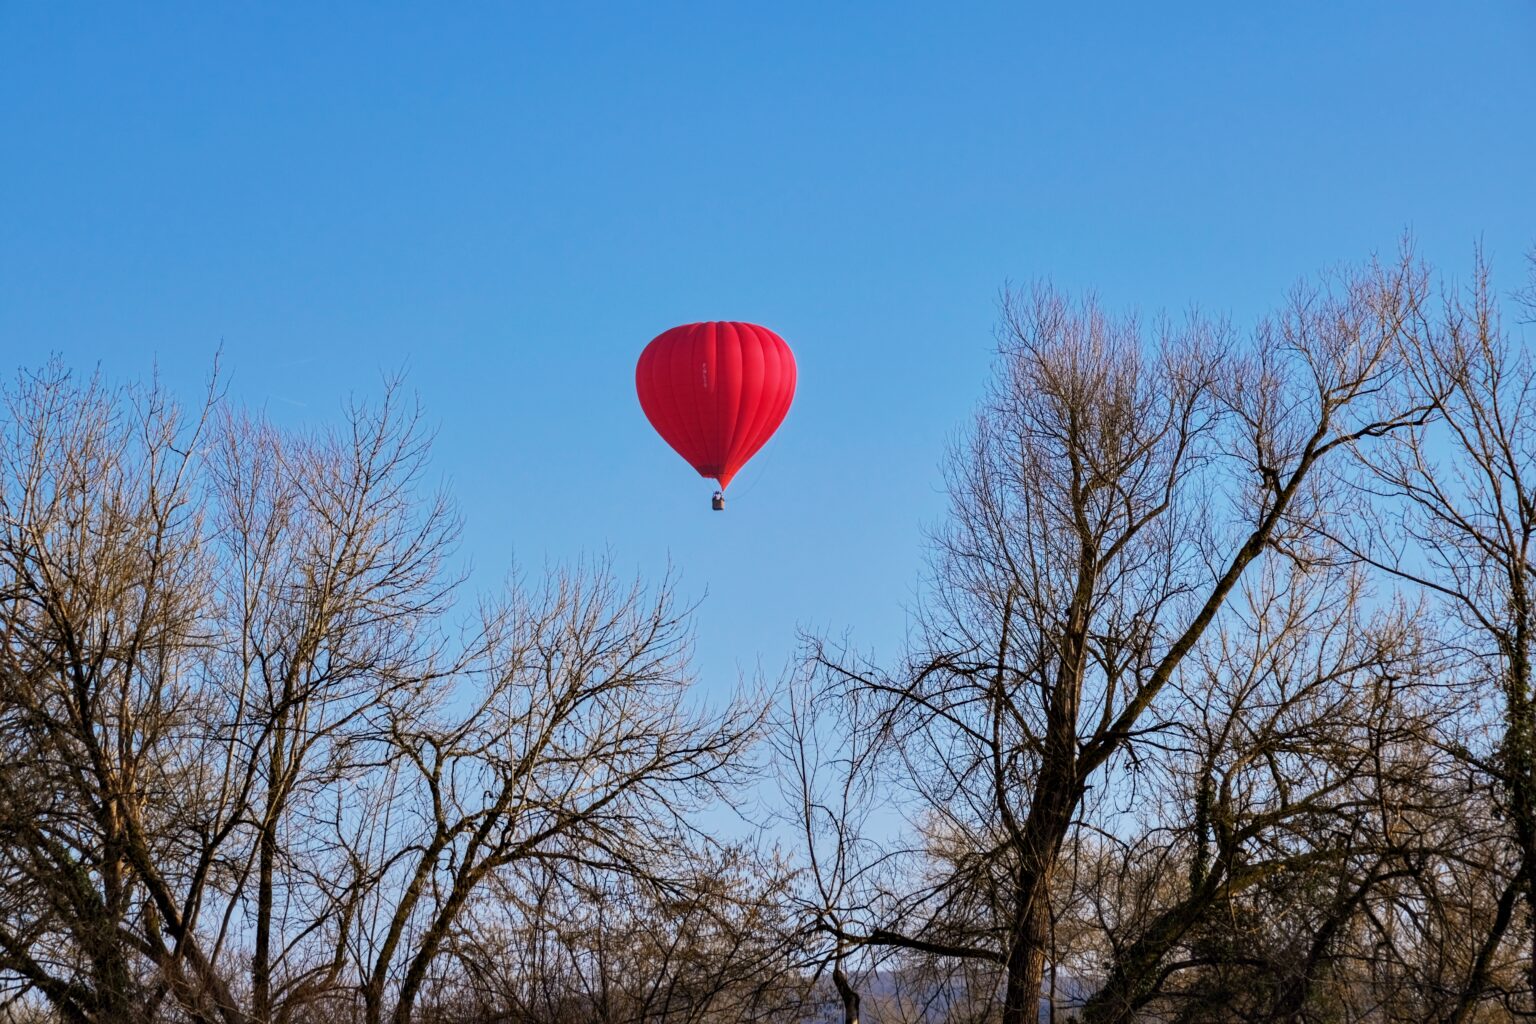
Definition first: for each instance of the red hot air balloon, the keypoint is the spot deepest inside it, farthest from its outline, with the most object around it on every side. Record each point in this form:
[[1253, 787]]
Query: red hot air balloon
[[716, 392]]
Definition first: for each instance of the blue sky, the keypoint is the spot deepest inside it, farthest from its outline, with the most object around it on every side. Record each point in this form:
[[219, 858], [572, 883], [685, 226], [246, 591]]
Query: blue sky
[[508, 201]]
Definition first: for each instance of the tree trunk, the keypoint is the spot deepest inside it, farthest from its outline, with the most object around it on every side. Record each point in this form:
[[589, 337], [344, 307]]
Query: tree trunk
[[847, 992], [1044, 833], [1026, 959], [1519, 756], [261, 959]]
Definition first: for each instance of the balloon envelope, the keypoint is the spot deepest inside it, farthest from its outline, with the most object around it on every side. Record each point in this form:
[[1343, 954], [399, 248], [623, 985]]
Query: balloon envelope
[[716, 392]]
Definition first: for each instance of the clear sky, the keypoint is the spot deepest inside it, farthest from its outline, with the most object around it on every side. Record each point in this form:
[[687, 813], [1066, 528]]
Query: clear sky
[[510, 200]]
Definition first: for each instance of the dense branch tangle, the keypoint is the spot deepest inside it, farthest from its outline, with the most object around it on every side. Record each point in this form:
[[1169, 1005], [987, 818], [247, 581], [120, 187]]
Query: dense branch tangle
[[1113, 494], [253, 770]]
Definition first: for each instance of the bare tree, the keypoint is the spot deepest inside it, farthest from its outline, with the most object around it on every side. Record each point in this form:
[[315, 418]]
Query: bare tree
[[1459, 521], [105, 593], [579, 748], [1113, 494], [333, 597], [254, 769], [828, 791], [699, 943], [1300, 793]]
